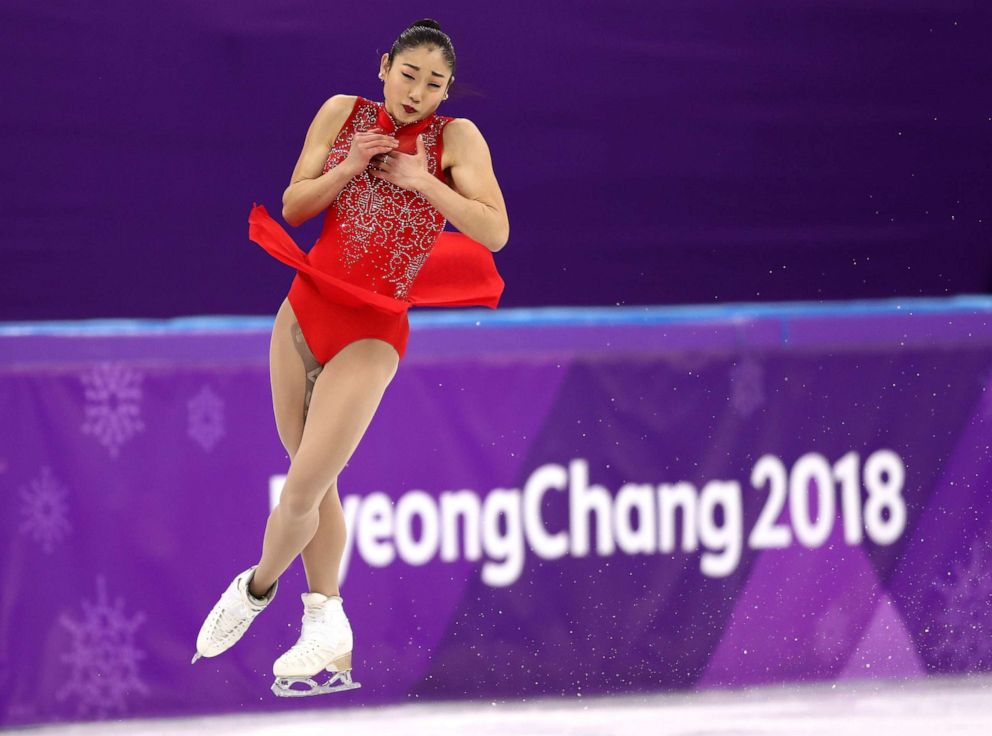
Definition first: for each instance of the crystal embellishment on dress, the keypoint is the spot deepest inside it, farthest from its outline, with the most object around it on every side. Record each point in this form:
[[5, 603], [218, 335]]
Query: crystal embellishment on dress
[[384, 233]]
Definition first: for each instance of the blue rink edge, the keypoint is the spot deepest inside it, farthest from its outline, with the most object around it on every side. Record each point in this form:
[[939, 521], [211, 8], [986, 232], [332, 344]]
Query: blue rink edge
[[537, 316]]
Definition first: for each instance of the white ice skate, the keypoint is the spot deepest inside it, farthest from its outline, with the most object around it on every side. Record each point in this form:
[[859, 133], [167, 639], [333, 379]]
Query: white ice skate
[[324, 645], [231, 616]]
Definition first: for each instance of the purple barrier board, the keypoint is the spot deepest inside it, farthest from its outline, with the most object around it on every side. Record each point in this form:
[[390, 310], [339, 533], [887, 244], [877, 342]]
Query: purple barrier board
[[548, 502]]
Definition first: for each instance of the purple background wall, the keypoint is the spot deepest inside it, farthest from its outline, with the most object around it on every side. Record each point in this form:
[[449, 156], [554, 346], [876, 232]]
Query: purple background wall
[[649, 152]]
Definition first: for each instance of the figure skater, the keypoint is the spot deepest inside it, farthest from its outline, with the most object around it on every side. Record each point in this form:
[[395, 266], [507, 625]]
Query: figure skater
[[389, 175]]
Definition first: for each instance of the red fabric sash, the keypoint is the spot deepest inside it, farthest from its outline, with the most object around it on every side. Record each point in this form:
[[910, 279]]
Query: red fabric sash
[[459, 271]]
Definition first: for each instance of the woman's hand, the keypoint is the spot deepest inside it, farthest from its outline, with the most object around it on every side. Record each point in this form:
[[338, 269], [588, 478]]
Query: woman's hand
[[365, 145], [406, 170]]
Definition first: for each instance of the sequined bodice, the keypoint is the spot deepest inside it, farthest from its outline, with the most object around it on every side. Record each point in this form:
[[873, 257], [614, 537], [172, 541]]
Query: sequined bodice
[[377, 234]]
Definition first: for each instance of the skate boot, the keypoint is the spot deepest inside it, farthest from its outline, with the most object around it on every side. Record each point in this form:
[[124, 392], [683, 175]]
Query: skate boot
[[324, 645], [231, 616]]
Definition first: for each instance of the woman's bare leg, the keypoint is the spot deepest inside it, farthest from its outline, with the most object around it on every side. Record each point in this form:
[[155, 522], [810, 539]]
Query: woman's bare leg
[[287, 374], [346, 395], [289, 360], [322, 555]]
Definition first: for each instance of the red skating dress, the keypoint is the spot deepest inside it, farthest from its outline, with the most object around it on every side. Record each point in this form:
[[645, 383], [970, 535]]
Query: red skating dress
[[381, 249]]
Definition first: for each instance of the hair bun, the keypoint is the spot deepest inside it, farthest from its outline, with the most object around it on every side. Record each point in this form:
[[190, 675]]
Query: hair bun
[[425, 23]]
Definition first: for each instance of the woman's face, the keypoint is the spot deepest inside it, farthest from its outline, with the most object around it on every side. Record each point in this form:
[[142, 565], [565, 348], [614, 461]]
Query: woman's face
[[415, 84]]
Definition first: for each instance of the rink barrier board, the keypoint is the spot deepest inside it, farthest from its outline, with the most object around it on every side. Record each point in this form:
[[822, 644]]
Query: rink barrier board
[[136, 450]]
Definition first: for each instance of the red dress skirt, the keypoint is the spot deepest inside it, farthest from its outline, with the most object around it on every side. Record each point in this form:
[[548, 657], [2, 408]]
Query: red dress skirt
[[333, 312]]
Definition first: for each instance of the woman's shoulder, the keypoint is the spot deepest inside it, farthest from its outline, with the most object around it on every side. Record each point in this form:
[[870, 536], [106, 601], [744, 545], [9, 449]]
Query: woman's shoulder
[[338, 105], [334, 113], [462, 133], [463, 141], [461, 129]]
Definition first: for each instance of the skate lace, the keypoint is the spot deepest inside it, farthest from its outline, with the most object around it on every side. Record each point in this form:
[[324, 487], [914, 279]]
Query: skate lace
[[312, 617], [315, 623], [234, 617]]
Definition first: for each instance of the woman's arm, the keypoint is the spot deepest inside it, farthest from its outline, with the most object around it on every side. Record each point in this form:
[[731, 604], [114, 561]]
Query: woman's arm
[[475, 203], [311, 191]]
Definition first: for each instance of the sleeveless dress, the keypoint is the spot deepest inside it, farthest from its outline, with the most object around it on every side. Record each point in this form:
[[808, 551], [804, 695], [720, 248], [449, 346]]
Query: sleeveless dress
[[382, 249]]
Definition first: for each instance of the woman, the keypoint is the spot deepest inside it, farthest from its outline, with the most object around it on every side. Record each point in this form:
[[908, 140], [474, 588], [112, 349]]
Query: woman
[[389, 175]]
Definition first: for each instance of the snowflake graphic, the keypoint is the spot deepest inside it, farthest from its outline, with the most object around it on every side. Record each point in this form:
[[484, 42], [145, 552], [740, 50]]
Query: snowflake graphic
[[45, 511], [103, 657], [205, 418], [113, 396], [963, 631], [747, 392]]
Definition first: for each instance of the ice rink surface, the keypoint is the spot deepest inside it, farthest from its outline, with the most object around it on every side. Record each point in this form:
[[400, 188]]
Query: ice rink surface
[[938, 705]]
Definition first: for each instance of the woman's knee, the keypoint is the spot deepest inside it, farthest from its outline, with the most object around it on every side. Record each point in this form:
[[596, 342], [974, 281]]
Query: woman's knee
[[303, 493], [299, 503]]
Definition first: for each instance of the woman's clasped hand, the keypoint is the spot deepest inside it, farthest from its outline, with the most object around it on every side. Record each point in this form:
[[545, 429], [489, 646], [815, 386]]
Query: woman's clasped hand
[[367, 145], [406, 170]]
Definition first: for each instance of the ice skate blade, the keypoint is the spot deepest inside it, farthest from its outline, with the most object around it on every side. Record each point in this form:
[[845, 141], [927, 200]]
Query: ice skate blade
[[283, 686]]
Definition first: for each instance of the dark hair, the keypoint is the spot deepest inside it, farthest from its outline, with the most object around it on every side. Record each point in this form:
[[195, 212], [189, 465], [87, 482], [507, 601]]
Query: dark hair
[[424, 32]]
